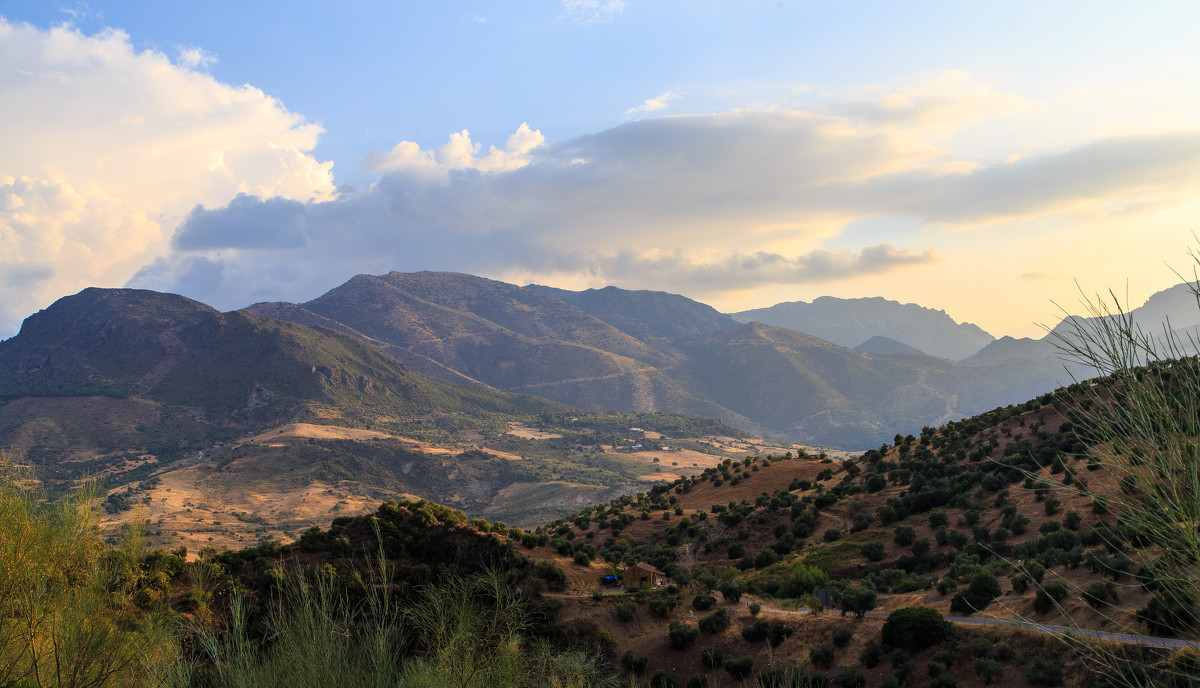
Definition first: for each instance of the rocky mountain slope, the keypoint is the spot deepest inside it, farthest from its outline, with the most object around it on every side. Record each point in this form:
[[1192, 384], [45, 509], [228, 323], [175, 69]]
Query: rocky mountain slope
[[651, 351], [851, 322]]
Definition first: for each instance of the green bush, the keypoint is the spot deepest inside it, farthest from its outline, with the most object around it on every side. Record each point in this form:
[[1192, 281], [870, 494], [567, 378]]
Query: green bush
[[842, 636], [715, 623], [1049, 595], [662, 679], [682, 635], [916, 628], [740, 668], [1044, 672], [626, 611], [822, 656], [979, 594], [871, 655], [712, 657]]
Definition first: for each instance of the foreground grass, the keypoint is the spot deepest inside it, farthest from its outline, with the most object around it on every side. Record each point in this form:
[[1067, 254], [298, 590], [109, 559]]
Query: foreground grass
[[76, 613]]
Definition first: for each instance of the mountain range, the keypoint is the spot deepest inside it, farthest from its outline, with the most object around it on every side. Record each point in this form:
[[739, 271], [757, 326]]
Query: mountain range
[[601, 349], [648, 351]]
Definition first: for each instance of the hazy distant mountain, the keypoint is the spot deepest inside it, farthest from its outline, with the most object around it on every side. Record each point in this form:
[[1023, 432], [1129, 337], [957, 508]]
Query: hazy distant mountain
[[465, 327], [644, 314], [1175, 307], [850, 322], [886, 346], [651, 351]]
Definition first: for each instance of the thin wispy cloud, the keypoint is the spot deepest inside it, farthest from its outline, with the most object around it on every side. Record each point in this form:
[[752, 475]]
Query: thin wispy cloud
[[654, 104], [593, 11]]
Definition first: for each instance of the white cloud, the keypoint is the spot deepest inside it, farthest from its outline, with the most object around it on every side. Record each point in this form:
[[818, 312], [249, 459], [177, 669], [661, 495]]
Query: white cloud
[[730, 201], [196, 58], [459, 153], [593, 11], [106, 149], [655, 104]]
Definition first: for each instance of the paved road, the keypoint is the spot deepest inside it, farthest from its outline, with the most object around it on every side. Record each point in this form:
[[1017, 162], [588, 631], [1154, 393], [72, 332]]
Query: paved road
[[1066, 631]]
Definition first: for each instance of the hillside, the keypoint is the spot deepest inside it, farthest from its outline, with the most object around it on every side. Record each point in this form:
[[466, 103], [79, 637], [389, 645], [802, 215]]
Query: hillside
[[850, 322], [646, 351], [233, 426], [643, 314], [1003, 515]]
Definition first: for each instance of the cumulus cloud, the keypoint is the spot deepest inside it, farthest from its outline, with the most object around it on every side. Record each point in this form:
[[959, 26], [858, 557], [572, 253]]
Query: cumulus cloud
[[459, 153], [593, 11], [107, 148], [654, 104], [698, 204]]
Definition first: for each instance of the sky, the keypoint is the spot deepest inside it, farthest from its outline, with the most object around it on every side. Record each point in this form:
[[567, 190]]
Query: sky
[[993, 160]]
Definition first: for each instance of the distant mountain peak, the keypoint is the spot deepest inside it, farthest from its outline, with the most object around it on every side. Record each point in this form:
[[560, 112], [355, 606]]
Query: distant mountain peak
[[852, 322]]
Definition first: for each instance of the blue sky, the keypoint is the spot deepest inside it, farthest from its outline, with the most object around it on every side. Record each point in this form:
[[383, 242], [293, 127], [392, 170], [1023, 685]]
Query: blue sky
[[975, 157]]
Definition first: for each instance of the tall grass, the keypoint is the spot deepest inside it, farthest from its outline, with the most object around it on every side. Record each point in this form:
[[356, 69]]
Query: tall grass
[[1143, 423], [66, 617], [465, 632]]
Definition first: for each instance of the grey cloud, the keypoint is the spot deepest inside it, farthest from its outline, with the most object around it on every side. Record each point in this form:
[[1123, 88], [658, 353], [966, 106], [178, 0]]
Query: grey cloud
[[1043, 184], [747, 270], [677, 187], [248, 222], [25, 275]]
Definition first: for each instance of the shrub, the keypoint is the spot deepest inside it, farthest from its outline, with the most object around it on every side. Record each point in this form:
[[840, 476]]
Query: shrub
[[663, 605], [626, 611], [703, 602], [859, 601], [715, 623], [682, 635], [551, 573], [636, 665], [904, 535], [937, 518], [740, 668], [732, 591], [1168, 613], [662, 679], [755, 609], [916, 628], [852, 678], [822, 656], [756, 632], [712, 657], [871, 655], [983, 589], [1048, 596], [988, 669], [873, 551], [1044, 672], [765, 558], [842, 636], [1097, 593]]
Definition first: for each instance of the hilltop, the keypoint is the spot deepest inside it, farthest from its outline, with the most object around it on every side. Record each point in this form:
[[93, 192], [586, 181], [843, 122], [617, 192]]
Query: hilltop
[[851, 322]]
